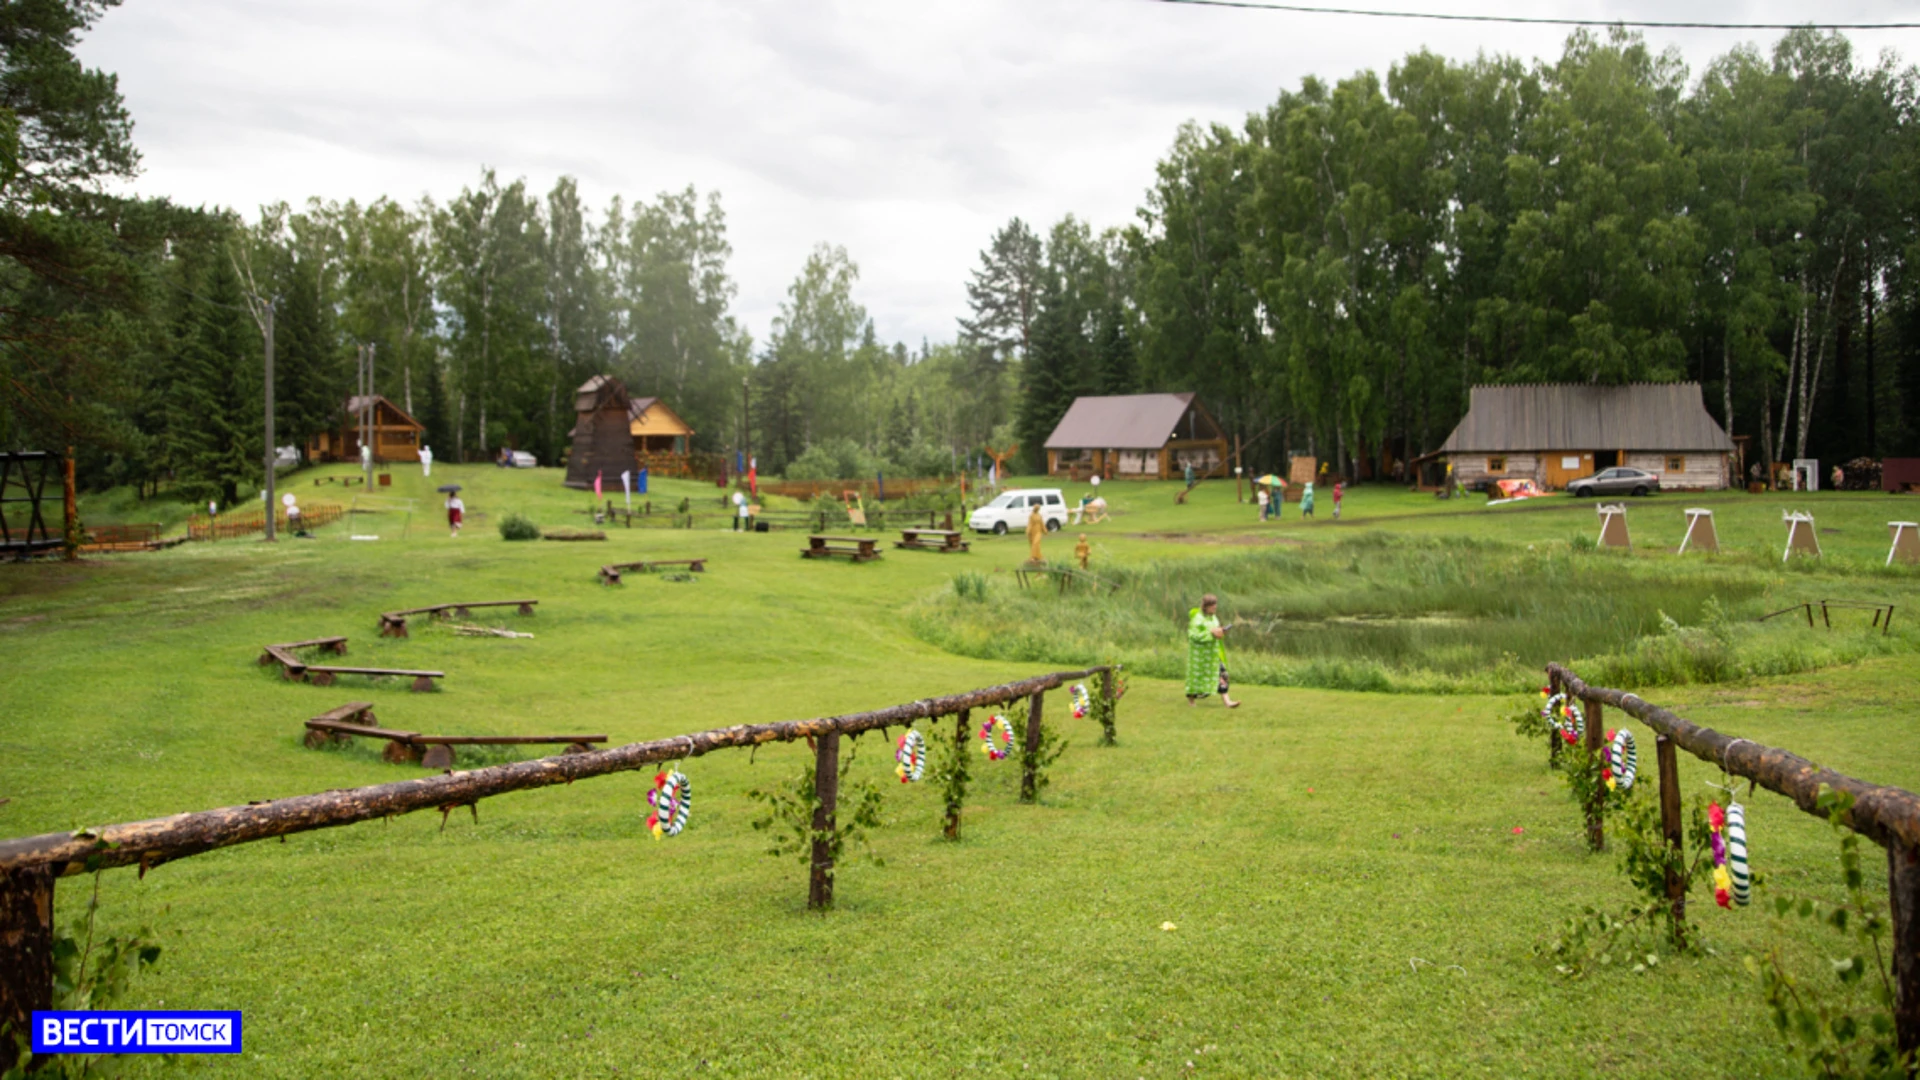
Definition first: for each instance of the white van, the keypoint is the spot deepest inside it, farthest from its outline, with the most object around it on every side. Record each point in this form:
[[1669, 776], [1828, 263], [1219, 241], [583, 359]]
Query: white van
[[1010, 511]]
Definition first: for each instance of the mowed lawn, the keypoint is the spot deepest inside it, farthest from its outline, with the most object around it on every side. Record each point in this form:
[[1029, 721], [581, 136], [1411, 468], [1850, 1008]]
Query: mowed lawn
[[1349, 893]]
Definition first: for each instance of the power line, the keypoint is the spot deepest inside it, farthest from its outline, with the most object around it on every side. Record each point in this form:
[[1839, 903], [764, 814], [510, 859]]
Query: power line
[[1648, 24]]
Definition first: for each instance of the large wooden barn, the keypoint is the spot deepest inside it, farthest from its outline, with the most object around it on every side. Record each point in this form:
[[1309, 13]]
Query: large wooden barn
[[396, 436], [1554, 433], [1137, 437]]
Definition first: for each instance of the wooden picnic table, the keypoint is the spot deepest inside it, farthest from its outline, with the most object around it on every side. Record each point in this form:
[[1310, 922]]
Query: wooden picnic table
[[610, 573], [941, 540], [394, 623], [432, 751], [855, 548]]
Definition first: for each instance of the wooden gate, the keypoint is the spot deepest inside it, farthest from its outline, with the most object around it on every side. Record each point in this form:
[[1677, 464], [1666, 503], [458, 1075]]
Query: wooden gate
[[1565, 465]]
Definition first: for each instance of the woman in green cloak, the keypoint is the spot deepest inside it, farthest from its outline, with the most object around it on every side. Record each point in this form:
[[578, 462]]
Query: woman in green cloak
[[1207, 653]]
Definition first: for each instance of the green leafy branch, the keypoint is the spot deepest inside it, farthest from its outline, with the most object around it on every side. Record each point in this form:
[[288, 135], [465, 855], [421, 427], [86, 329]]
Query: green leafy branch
[[92, 973], [790, 812], [1634, 934]]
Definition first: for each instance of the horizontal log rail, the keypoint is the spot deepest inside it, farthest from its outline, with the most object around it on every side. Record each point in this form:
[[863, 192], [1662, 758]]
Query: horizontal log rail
[[1889, 816], [157, 840]]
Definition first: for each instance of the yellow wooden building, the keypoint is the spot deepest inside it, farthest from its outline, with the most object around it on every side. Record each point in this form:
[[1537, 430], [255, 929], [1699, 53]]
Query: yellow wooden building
[[396, 436]]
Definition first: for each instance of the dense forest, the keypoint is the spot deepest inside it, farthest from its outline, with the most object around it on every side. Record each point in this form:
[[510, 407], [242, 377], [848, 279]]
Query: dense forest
[[1335, 272]]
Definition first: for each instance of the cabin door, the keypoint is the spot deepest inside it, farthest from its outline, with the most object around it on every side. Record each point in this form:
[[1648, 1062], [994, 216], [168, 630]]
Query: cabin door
[[1565, 465]]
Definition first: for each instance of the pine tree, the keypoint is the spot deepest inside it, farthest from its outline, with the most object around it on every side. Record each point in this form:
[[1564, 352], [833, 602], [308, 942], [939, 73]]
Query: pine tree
[[1053, 375]]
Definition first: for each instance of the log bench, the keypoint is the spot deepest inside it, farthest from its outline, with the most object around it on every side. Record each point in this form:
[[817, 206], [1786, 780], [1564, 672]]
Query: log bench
[[432, 751], [291, 666], [353, 712], [855, 548], [931, 540], [323, 675], [394, 623], [610, 574]]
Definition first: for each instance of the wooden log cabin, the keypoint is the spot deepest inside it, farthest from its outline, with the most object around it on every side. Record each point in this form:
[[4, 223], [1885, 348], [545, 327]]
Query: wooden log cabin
[[661, 440], [615, 432], [1555, 433], [396, 436], [1137, 437]]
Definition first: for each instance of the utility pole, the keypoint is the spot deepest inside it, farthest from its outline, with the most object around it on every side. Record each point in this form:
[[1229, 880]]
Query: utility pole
[[266, 331]]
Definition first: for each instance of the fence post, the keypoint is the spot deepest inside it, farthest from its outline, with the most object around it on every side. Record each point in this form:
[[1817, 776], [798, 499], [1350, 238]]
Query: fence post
[[1553, 736], [826, 787], [1029, 787], [1903, 895], [26, 949], [1113, 707], [961, 729], [1596, 802], [1670, 825]]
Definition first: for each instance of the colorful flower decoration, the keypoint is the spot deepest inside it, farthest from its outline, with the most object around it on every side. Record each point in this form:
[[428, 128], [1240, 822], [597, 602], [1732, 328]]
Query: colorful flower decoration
[[1738, 870], [1623, 758], [672, 800], [996, 750], [1082, 703], [1566, 717], [1722, 880], [910, 757]]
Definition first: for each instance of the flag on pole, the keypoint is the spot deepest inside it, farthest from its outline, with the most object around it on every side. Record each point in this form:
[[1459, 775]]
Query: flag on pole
[[640, 483], [753, 475], [626, 486], [596, 485]]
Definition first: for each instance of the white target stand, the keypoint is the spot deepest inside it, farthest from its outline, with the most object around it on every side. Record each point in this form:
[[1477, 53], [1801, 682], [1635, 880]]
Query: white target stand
[[1800, 534], [1700, 535], [1613, 525], [1906, 543]]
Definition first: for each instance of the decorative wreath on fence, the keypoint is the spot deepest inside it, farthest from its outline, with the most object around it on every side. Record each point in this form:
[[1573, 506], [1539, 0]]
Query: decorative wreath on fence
[[910, 757], [1722, 879], [1082, 703], [1565, 716], [1623, 759], [672, 800], [996, 749], [1737, 868]]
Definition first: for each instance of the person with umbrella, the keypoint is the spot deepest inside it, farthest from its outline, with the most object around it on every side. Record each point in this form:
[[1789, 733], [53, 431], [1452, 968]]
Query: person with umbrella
[[456, 510], [1278, 489]]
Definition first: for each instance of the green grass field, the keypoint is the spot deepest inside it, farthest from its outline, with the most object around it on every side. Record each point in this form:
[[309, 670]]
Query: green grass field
[[1350, 893]]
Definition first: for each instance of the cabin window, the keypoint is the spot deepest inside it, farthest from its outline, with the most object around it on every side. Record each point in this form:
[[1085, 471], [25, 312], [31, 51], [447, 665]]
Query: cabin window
[[1496, 464], [1676, 464]]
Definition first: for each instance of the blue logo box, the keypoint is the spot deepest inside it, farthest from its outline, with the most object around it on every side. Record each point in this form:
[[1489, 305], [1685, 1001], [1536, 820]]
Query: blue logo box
[[137, 1032]]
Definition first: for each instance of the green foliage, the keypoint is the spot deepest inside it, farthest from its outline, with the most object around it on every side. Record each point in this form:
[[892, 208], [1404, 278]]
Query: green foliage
[[952, 768], [1036, 759], [517, 527], [789, 817], [1102, 710], [1842, 1028], [1637, 933], [90, 972], [970, 585]]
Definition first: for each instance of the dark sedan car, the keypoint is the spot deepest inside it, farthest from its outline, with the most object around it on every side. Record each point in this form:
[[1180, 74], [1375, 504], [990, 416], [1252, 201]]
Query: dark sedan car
[[1618, 481]]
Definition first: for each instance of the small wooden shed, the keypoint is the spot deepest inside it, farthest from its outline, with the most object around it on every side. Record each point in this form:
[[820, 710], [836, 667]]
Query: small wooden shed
[[1137, 437], [660, 438], [602, 445], [396, 435], [1559, 432]]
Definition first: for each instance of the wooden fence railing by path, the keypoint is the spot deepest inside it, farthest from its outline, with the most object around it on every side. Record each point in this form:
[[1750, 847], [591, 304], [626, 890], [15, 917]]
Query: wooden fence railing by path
[[29, 865], [237, 523], [1889, 816], [868, 489]]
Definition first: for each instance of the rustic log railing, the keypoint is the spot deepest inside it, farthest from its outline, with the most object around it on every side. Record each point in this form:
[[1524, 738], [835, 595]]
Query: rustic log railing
[[1889, 816], [29, 865]]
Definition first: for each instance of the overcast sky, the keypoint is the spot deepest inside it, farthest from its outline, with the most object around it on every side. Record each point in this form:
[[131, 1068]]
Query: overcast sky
[[904, 130]]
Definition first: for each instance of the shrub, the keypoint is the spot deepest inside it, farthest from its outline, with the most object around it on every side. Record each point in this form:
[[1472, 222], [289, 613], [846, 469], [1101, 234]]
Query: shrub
[[516, 527], [970, 586]]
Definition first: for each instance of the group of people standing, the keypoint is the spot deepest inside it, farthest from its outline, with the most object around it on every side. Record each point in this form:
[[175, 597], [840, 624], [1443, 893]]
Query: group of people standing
[[1272, 497]]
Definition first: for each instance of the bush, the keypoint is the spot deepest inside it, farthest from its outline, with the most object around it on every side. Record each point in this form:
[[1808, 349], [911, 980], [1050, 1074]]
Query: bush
[[516, 527]]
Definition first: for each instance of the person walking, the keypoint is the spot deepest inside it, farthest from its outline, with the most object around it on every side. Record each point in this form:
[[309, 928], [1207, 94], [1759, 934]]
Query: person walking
[[456, 512], [426, 461], [1260, 496], [1279, 500], [1207, 653], [1339, 488], [1306, 501]]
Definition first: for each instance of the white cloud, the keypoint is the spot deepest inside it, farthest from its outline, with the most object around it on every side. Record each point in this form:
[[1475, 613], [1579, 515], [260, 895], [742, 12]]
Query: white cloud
[[906, 132]]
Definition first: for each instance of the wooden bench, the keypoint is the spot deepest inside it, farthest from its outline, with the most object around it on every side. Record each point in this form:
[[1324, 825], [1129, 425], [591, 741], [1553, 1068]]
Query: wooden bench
[[931, 540], [856, 548], [610, 574], [321, 675], [432, 751], [291, 666], [394, 623], [353, 712]]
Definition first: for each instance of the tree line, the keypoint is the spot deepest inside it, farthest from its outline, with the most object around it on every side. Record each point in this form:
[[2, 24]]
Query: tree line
[[1346, 264], [1332, 277]]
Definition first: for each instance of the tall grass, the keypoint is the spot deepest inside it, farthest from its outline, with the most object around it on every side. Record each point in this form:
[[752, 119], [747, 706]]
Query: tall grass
[[1392, 613]]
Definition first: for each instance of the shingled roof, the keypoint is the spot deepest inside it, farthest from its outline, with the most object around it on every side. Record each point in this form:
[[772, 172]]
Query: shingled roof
[[1127, 422], [1577, 416]]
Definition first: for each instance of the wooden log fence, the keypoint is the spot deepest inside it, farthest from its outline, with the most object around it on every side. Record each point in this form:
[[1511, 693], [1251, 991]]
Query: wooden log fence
[[29, 865], [1889, 816]]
